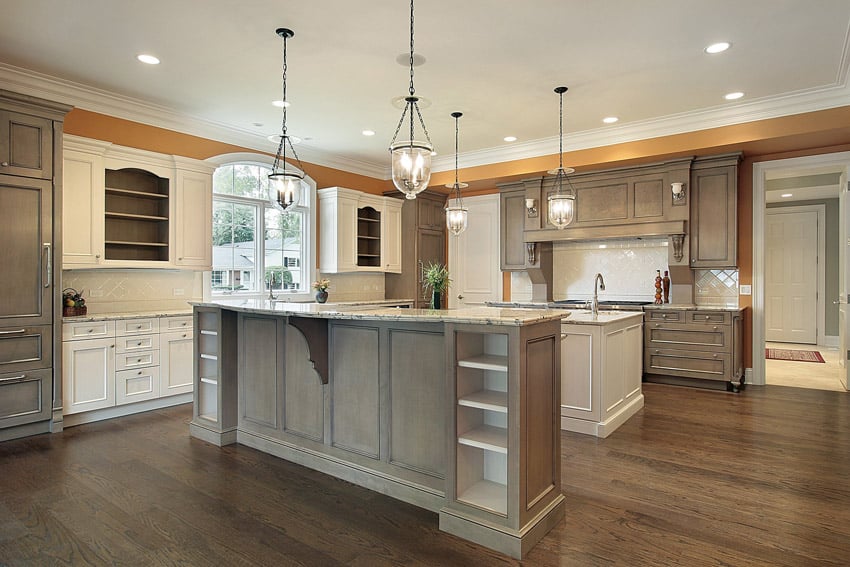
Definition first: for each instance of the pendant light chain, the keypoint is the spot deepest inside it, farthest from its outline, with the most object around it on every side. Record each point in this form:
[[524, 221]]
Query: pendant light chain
[[280, 156], [411, 90], [561, 131], [457, 187]]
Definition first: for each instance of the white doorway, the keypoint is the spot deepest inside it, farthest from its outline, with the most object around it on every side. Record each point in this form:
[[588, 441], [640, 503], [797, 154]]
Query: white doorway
[[474, 255], [836, 167], [793, 275]]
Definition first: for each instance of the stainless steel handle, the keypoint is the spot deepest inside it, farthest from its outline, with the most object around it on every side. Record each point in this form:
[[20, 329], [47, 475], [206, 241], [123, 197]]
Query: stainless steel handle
[[421, 271], [13, 378], [18, 332], [49, 248]]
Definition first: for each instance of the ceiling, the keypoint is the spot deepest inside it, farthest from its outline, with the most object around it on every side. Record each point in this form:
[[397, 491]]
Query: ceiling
[[495, 61]]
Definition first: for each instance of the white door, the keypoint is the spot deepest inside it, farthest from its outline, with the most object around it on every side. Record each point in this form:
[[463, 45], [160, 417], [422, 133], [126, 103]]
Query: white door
[[474, 255], [791, 276]]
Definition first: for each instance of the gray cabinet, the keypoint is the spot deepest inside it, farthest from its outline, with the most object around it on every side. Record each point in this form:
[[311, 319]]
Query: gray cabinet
[[714, 206], [30, 193], [512, 253], [423, 241], [694, 344]]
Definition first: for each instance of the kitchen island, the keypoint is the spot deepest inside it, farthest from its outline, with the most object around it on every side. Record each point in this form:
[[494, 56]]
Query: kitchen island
[[455, 411]]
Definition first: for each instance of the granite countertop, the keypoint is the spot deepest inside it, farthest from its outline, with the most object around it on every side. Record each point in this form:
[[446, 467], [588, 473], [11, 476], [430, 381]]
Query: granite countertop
[[475, 315], [127, 315], [692, 307], [581, 317]]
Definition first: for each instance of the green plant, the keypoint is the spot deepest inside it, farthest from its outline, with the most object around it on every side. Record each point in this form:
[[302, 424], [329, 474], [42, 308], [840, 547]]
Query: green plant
[[436, 278]]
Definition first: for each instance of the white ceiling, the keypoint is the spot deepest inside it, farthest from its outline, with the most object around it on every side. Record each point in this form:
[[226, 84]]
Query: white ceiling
[[495, 61]]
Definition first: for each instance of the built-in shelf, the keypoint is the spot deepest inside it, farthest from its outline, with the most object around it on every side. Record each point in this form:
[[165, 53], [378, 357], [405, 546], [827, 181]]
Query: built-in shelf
[[486, 437], [130, 193], [485, 362], [368, 237], [136, 215], [110, 215], [490, 400], [367, 219], [129, 243], [488, 495]]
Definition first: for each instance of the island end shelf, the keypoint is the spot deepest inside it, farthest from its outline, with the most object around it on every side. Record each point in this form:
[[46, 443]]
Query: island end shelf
[[455, 411]]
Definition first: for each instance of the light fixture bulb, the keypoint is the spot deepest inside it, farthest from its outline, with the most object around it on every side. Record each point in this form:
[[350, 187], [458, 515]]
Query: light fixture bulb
[[562, 208]]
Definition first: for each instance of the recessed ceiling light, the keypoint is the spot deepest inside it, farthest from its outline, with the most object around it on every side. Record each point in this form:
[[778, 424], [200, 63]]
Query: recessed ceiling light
[[734, 96], [368, 132], [509, 138], [610, 119], [786, 195], [280, 103], [718, 47], [149, 59]]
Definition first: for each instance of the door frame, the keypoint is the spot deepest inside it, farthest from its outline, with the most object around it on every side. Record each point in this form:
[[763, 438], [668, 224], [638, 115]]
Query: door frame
[[820, 305], [760, 169]]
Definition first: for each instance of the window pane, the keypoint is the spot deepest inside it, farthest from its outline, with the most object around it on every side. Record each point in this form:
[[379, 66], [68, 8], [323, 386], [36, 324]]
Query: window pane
[[283, 244], [223, 180], [234, 246]]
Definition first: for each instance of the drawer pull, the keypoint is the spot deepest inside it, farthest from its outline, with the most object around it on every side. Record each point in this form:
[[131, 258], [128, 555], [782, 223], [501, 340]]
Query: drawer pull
[[139, 360], [663, 315], [91, 330], [139, 344], [714, 328], [657, 351], [707, 317], [13, 378], [18, 332], [714, 356], [185, 335], [139, 373]]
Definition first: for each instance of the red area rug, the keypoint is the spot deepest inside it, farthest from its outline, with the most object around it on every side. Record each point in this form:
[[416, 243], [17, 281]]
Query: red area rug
[[793, 355]]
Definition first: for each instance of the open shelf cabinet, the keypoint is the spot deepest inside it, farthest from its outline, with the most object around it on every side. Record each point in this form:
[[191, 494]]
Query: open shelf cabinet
[[368, 237], [136, 223], [215, 375]]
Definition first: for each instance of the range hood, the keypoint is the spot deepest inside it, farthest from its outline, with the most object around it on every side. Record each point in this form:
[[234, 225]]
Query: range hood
[[611, 231]]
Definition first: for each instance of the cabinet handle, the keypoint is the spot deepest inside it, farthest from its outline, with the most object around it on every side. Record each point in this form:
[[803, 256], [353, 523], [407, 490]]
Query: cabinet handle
[[714, 328], [97, 256], [657, 351], [707, 317], [90, 330], [714, 356], [5, 164], [13, 378], [139, 344], [139, 373], [663, 315], [181, 259], [49, 249], [111, 346], [185, 335], [18, 332]]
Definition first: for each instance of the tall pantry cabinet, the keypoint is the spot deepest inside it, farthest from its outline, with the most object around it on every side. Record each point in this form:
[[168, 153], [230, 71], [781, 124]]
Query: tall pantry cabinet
[[30, 305]]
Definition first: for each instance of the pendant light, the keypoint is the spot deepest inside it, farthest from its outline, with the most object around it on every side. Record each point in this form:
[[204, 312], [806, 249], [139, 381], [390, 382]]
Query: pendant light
[[561, 205], [411, 159], [285, 185], [456, 215]]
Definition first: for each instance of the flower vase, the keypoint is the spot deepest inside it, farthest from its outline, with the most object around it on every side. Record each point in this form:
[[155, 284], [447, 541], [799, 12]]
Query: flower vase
[[435, 300], [321, 295]]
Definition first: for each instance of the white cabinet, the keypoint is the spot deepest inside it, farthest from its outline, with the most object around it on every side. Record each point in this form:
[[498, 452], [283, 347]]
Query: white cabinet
[[165, 227], [88, 368], [601, 373], [359, 232], [111, 365]]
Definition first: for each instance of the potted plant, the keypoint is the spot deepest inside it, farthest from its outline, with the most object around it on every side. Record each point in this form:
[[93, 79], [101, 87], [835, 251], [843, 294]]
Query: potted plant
[[321, 287], [437, 281]]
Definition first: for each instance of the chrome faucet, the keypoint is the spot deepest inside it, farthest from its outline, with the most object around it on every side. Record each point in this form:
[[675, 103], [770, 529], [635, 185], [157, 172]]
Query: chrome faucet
[[272, 282], [598, 283]]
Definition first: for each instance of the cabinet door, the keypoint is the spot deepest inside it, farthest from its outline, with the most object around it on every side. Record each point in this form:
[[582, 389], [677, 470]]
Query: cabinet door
[[175, 362], [25, 397], [26, 145], [88, 375], [391, 236], [580, 371], [136, 385], [194, 220], [82, 209], [512, 224], [714, 221], [430, 211], [26, 348], [26, 252]]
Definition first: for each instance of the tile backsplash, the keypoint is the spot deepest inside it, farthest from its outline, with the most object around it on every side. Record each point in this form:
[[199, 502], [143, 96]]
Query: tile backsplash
[[716, 287], [123, 291], [355, 287]]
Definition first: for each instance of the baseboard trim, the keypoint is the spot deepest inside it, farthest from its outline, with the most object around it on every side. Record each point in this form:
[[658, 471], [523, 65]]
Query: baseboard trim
[[70, 420]]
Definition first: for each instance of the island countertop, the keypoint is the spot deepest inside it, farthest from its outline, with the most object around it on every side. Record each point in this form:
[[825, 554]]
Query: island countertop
[[475, 315]]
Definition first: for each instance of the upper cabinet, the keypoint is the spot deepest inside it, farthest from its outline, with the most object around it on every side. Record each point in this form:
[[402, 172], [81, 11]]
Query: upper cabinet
[[359, 232], [714, 206], [26, 145], [131, 208]]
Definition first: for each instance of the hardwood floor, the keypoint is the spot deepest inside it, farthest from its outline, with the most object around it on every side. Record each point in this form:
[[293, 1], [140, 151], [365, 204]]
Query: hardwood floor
[[698, 477]]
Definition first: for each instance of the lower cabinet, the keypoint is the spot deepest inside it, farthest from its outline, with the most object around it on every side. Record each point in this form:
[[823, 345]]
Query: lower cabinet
[[128, 362], [25, 397], [600, 375]]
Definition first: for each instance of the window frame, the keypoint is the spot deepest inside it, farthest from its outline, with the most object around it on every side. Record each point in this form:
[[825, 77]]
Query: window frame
[[306, 206]]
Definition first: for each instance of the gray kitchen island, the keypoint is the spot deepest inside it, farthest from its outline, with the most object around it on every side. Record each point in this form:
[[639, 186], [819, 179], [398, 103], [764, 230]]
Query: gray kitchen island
[[455, 411]]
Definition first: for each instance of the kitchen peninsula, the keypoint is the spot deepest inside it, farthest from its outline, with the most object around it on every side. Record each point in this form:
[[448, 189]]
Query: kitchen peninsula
[[455, 411]]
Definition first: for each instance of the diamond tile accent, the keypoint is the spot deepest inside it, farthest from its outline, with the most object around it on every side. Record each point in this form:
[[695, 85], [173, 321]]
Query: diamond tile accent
[[716, 287]]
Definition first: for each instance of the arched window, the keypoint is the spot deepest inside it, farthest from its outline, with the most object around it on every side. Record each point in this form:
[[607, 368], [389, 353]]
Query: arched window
[[254, 245]]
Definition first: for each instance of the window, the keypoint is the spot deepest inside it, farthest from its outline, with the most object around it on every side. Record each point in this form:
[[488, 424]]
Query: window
[[255, 246]]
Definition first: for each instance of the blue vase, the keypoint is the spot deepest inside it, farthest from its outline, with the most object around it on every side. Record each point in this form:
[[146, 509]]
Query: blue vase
[[321, 295]]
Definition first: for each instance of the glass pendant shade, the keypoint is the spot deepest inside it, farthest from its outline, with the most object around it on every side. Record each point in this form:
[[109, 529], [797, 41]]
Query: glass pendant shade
[[285, 188], [561, 209], [457, 216], [411, 167]]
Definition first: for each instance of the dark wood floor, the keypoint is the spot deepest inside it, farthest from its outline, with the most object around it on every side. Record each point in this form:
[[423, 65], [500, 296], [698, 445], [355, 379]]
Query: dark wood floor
[[697, 478]]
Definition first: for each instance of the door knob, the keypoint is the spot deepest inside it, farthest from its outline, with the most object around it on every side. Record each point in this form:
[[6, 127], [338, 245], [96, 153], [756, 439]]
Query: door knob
[[460, 297]]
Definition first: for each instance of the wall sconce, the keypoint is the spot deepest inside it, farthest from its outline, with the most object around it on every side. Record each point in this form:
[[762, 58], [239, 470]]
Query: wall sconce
[[678, 192], [531, 208]]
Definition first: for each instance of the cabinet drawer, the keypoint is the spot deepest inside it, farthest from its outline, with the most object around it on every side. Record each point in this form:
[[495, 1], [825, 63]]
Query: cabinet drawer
[[665, 315], [716, 317], [689, 364], [88, 330], [137, 343], [26, 348], [175, 323], [25, 397], [136, 326], [714, 338], [126, 360], [136, 385]]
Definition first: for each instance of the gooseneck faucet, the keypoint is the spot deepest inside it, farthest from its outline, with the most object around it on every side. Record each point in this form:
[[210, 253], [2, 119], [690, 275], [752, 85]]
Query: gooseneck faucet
[[598, 283]]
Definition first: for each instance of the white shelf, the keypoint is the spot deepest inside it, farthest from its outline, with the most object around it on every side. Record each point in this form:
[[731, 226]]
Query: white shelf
[[486, 362], [211, 333], [488, 495], [486, 437], [490, 400], [130, 193]]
